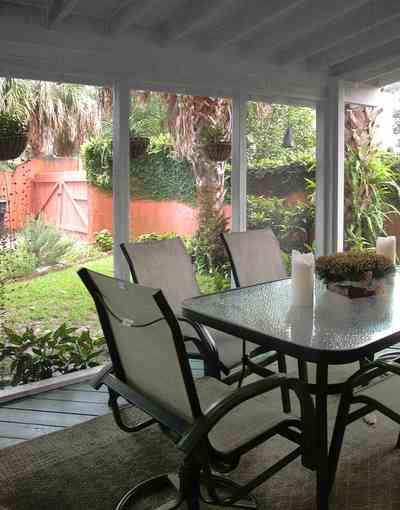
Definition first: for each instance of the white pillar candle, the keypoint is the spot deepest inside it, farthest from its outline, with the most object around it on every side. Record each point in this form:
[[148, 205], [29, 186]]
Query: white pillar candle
[[387, 246], [302, 279]]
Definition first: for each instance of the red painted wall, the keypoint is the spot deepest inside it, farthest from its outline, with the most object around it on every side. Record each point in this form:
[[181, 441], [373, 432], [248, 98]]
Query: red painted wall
[[145, 215]]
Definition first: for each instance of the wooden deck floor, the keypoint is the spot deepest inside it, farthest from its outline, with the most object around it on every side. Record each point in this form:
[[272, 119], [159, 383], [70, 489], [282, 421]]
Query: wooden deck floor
[[28, 418]]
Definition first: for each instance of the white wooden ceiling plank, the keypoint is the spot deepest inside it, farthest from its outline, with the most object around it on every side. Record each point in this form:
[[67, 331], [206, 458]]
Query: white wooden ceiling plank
[[128, 14], [343, 30], [246, 21], [302, 20], [60, 10], [192, 15], [378, 56], [355, 46]]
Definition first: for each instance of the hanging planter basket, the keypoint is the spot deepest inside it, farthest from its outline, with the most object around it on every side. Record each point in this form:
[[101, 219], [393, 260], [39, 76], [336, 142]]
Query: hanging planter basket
[[138, 146], [12, 146], [218, 151]]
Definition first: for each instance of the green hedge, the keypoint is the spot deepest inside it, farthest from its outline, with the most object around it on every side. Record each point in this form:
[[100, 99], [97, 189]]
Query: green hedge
[[158, 176]]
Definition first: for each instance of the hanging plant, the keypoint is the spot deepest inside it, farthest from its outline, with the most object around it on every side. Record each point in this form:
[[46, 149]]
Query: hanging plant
[[13, 136], [138, 145], [215, 144]]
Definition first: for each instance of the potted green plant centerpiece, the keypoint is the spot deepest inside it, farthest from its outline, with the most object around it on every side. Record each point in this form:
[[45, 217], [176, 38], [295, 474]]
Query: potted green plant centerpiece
[[215, 143], [138, 145], [354, 274], [13, 136]]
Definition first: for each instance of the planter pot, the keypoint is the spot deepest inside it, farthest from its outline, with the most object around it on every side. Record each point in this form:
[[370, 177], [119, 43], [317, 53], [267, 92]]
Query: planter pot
[[220, 151], [138, 147], [12, 146], [365, 287]]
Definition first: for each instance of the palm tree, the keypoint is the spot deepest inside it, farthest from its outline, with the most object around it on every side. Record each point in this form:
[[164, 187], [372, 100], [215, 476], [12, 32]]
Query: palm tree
[[187, 117], [60, 115]]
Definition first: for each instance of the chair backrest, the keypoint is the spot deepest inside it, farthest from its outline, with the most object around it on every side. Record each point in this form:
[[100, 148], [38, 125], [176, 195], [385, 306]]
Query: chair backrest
[[255, 257], [145, 343], [163, 264]]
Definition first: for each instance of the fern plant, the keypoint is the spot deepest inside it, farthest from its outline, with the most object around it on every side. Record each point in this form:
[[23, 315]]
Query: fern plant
[[46, 242]]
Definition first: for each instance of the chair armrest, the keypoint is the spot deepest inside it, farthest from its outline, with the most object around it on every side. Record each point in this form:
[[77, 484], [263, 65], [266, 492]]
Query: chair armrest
[[371, 370], [205, 423], [205, 345], [390, 366]]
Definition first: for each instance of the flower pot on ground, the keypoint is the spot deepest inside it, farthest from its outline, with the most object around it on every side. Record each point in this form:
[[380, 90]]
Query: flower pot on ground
[[215, 143], [13, 136], [138, 146], [354, 274]]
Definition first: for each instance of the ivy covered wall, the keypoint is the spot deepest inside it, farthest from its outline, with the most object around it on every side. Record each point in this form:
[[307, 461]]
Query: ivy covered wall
[[160, 176]]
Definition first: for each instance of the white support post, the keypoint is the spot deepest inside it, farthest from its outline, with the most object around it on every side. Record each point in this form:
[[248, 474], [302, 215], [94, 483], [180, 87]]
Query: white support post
[[330, 154], [239, 162], [121, 196], [321, 213]]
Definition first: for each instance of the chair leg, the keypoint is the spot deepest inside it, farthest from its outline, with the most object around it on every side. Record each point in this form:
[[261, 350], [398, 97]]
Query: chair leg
[[337, 437], [303, 370], [147, 489], [286, 405]]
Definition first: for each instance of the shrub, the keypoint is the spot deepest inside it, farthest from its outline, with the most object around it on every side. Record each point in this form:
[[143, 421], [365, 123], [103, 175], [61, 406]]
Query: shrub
[[81, 251], [152, 236], [292, 224], [16, 262], [104, 240], [34, 357], [46, 242]]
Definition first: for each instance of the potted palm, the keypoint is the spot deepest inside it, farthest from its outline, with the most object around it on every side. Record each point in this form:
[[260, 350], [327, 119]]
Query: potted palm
[[215, 143], [13, 136], [138, 145]]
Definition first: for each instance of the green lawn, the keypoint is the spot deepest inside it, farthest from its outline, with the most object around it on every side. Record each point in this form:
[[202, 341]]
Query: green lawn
[[47, 301]]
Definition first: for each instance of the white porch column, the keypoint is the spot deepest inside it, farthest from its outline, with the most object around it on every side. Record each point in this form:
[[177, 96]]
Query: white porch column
[[239, 162], [330, 170], [121, 196], [321, 214]]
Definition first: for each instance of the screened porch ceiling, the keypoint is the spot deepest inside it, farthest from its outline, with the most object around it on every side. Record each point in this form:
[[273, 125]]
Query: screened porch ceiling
[[288, 47]]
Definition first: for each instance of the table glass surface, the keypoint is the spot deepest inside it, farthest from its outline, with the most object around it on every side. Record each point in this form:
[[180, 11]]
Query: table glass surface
[[334, 323]]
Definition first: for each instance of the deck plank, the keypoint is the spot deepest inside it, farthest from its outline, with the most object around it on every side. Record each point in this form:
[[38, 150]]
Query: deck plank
[[42, 418], [24, 431], [84, 387], [76, 396], [59, 406], [5, 442]]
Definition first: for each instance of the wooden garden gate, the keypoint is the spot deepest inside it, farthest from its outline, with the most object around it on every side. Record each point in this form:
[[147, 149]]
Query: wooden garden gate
[[62, 199]]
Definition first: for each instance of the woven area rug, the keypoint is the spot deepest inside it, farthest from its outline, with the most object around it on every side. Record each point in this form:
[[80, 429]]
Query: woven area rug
[[90, 466]]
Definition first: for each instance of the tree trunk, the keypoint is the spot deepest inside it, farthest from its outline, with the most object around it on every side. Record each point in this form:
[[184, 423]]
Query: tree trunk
[[210, 187]]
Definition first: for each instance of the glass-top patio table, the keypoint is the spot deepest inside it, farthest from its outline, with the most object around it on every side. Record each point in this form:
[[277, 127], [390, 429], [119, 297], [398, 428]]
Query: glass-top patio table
[[335, 330]]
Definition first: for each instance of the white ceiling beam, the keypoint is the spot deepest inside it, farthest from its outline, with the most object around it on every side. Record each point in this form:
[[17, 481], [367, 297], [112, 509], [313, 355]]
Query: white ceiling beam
[[246, 21], [384, 79], [372, 74], [357, 21], [302, 20], [355, 46], [190, 17], [59, 11], [371, 59], [127, 15]]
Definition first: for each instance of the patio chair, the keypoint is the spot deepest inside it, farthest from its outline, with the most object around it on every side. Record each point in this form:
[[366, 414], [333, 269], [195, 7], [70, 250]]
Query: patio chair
[[255, 257], [388, 362], [167, 265], [212, 424]]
